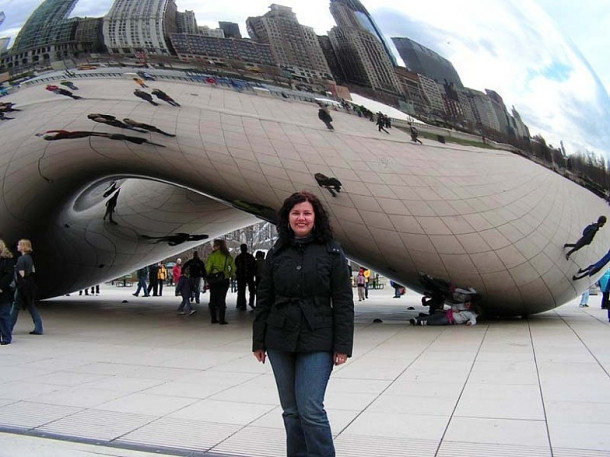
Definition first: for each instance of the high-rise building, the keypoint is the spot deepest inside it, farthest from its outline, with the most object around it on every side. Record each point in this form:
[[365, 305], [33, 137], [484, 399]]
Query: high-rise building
[[142, 26], [360, 48], [294, 46], [353, 14], [231, 29], [425, 61], [186, 22], [500, 108]]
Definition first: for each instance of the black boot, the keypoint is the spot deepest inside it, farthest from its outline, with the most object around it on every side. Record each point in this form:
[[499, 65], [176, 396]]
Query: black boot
[[221, 315], [213, 314]]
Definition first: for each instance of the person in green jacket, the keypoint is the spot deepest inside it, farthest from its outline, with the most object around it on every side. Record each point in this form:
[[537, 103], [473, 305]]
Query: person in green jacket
[[220, 269]]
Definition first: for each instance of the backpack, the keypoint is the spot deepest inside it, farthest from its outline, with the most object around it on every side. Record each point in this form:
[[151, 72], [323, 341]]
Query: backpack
[[589, 229]]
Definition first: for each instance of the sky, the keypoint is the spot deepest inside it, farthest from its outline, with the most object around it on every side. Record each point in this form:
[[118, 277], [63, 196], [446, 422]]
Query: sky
[[547, 58]]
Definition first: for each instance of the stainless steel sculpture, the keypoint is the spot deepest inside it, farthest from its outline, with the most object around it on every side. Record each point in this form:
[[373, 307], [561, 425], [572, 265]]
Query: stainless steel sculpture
[[476, 217]]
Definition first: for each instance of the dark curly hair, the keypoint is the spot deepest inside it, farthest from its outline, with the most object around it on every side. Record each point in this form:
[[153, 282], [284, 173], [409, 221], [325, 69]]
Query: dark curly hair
[[322, 231]]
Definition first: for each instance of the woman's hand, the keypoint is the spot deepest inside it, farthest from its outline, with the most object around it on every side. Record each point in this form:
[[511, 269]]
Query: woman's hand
[[339, 358], [260, 355]]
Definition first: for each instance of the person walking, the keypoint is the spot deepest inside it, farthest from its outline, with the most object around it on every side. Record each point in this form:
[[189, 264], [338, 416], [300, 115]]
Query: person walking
[[142, 275], [183, 289], [381, 123], [360, 282], [26, 287], [245, 269], [593, 268], [7, 272], [196, 271], [587, 236], [143, 126], [414, 134], [153, 279], [220, 269], [304, 320]]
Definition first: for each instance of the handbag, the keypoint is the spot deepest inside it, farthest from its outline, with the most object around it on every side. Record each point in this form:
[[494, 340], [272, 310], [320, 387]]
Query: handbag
[[218, 277]]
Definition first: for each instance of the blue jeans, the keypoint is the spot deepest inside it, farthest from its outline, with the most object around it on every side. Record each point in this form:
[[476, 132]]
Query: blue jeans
[[142, 286], [5, 320], [31, 307], [301, 379]]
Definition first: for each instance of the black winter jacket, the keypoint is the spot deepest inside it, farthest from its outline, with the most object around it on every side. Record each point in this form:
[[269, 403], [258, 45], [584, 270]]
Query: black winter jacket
[[305, 301], [7, 274]]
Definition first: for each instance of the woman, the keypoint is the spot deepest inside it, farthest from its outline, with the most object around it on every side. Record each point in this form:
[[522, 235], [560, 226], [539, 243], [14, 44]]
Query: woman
[[219, 261], [7, 270], [26, 288], [304, 320]]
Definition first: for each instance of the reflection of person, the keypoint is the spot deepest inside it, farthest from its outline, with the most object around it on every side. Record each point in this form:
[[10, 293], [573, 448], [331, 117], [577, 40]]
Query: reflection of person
[[26, 287], [245, 269], [325, 117], [435, 300], [65, 135], [593, 268], [110, 207], [7, 270], [166, 98], [304, 320], [455, 315], [150, 128], [175, 239], [587, 236], [113, 122], [332, 184], [414, 134], [145, 96], [220, 260], [161, 276]]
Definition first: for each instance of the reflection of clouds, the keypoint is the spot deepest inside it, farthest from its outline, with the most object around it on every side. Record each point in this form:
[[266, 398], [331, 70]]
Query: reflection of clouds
[[517, 51]]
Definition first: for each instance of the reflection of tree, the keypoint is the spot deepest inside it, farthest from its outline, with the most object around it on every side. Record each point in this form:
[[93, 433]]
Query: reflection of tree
[[175, 239], [262, 211]]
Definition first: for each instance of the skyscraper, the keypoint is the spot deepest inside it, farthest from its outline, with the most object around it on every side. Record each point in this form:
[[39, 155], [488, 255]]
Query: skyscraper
[[354, 14], [141, 26], [2, 17], [425, 61]]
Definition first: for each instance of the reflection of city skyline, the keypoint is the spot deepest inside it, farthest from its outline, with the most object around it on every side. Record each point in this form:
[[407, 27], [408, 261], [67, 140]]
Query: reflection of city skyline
[[535, 106]]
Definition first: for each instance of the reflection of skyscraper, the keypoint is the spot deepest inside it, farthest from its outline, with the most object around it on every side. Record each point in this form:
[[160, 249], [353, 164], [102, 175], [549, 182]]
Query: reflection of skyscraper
[[292, 44], [231, 29], [48, 24], [2, 17], [360, 49], [356, 15], [140, 26], [424, 61]]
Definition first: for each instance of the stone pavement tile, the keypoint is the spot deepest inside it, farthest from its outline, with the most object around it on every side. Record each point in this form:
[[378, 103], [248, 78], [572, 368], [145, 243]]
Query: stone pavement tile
[[497, 431], [28, 415], [580, 435], [79, 397], [392, 425], [180, 434], [359, 445], [501, 401], [146, 404], [96, 424], [222, 412]]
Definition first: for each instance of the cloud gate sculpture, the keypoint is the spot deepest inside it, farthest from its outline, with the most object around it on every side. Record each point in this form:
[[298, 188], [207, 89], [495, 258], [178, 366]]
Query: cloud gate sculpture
[[484, 218]]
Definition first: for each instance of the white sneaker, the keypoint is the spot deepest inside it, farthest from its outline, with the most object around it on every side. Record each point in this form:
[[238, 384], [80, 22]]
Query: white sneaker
[[192, 312], [181, 313]]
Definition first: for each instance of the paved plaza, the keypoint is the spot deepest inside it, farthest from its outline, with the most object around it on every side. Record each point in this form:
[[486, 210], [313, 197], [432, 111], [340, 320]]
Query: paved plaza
[[133, 379]]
